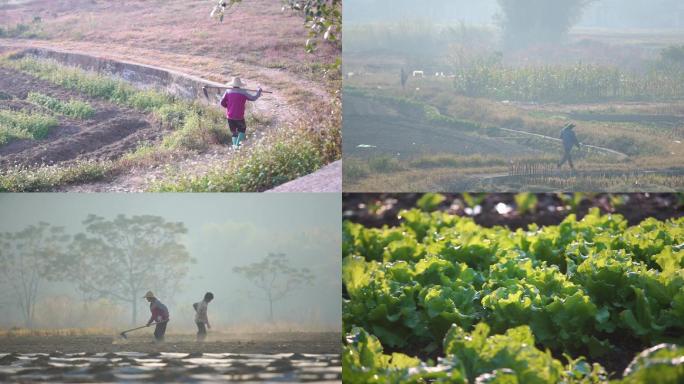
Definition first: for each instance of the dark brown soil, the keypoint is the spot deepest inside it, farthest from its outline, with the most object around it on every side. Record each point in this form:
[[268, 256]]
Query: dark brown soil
[[279, 357], [110, 133], [376, 210]]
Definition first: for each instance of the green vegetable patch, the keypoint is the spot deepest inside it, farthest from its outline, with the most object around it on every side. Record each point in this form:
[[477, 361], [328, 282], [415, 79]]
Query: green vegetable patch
[[442, 299]]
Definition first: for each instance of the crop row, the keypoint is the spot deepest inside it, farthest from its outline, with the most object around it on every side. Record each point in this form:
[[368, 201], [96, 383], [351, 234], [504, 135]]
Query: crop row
[[72, 108], [19, 125]]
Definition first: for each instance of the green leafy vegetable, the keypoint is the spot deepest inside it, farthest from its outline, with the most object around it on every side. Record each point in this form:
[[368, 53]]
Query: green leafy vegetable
[[500, 301]]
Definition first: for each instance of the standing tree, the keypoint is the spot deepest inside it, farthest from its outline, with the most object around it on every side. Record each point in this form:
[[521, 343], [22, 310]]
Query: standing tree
[[404, 77], [122, 258], [275, 278], [25, 262], [526, 22]]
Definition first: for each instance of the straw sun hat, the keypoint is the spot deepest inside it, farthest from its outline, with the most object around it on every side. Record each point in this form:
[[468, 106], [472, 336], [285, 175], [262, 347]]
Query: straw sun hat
[[236, 83]]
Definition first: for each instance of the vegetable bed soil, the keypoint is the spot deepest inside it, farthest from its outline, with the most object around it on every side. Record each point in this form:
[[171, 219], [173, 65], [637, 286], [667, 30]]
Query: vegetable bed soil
[[110, 133], [245, 357]]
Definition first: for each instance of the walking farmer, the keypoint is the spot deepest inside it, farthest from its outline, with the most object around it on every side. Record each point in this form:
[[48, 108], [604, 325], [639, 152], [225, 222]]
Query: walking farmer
[[201, 318], [569, 140], [234, 101], [160, 316]]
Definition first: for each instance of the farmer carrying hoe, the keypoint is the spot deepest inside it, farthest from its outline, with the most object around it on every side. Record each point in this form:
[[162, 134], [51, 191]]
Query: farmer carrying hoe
[[234, 101], [160, 315], [201, 318], [569, 140]]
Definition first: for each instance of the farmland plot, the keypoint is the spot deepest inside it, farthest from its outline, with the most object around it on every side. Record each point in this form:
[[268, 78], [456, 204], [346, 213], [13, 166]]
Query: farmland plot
[[478, 117], [293, 131], [438, 297], [169, 367], [109, 133], [280, 357]]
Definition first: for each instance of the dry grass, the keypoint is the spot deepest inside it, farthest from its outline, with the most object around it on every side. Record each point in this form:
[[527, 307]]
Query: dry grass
[[257, 32]]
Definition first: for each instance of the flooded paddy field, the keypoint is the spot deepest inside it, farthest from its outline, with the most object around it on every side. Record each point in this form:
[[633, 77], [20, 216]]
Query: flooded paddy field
[[277, 357]]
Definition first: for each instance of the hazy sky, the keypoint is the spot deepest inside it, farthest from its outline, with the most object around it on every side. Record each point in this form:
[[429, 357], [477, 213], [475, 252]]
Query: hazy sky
[[667, 14], [224, 231]]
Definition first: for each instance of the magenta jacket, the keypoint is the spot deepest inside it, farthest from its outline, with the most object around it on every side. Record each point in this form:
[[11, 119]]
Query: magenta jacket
[[234, 102], [159, 312]]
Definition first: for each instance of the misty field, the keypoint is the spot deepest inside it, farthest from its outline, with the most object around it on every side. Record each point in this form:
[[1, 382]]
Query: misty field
[[170, 142], [169, 287], [480, 114]]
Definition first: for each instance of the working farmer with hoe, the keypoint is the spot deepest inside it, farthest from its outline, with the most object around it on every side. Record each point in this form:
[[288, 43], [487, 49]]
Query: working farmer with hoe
[[201, 318], [160, 316], [234, 101], [569, 140]]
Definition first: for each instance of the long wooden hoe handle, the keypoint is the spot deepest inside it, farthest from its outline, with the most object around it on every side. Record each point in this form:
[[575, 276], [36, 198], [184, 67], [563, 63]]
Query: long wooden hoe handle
[[245, 89]]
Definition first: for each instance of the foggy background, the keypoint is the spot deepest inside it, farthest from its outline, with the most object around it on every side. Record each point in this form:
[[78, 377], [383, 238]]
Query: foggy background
[[614, 14], [434, 35], [223, 231]]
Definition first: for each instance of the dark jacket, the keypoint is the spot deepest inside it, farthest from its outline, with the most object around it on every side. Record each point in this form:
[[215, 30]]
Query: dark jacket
[[569, 138]]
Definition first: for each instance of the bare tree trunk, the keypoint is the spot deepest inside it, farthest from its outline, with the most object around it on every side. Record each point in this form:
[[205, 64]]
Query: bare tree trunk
[[34, 295], [27, 315], [270, 308], [134, 302]]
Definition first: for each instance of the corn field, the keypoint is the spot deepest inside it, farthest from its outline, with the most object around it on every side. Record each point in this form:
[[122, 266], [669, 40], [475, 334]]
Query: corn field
[[580, 83]]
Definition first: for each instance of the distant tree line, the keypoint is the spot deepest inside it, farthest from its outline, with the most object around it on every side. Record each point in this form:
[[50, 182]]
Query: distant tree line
[[118, 259]]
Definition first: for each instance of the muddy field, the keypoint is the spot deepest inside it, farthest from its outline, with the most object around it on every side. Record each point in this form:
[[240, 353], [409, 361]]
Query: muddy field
[[111, 132], [301, 357]]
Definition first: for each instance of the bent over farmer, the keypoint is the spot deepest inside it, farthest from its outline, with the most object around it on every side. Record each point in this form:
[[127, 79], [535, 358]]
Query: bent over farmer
[[569, 140], [234, 101], [201, 318], [160, 315]]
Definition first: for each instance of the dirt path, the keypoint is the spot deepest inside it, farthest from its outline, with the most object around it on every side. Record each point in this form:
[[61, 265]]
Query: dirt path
[[284, 83], [284, 107]]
